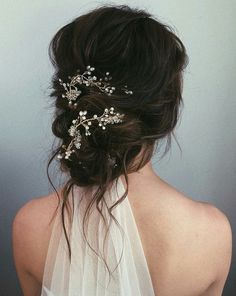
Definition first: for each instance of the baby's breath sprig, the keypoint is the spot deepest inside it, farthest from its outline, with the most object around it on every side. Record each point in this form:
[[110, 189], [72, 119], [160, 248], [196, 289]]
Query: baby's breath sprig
[[86, 78], [108, 117]]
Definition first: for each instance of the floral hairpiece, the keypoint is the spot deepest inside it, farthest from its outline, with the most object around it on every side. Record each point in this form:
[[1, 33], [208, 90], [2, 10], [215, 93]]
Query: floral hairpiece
[[108, 117], [72, 91]]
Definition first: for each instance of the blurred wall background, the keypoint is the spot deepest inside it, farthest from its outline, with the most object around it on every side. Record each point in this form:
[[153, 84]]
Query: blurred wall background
[[205, 170]]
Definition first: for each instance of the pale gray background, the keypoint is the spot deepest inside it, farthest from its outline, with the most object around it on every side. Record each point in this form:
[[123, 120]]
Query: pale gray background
[[205, 170]]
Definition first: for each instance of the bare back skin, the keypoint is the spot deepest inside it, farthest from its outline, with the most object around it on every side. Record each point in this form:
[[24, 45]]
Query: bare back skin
[[187, 244]]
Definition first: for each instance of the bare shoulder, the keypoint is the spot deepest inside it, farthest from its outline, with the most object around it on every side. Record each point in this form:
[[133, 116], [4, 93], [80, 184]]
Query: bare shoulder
[[186, 209], [31, 229], [34, 215], [40, 206], [203, 219], [197, 235]]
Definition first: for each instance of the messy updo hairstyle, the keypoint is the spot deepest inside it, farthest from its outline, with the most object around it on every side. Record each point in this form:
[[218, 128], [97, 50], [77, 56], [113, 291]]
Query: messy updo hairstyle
[[138, 51]]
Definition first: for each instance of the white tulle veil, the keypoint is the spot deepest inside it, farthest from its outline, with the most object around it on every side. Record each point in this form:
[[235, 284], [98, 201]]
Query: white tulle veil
[[86, 274]]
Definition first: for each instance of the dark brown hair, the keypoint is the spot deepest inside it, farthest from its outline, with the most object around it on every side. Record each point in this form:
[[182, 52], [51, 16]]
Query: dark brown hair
[[138, 51]]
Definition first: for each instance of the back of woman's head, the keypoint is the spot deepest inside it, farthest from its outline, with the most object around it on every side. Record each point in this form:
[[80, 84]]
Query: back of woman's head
[[138, 51]]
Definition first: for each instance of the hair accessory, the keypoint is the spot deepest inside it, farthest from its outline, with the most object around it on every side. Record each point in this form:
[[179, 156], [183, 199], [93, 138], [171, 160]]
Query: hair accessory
[[72, 91], [112, 161], [108, 117]]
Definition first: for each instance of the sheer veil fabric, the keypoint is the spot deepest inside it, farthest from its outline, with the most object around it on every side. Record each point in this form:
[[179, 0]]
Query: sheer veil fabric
[[86, 274]]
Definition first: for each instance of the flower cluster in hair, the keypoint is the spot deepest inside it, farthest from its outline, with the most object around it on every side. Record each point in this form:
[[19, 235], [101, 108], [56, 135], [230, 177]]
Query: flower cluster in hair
[[108, 117], [86, 78]]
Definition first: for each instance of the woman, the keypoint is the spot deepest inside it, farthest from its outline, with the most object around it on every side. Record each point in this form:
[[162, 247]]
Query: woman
[[115, 227]]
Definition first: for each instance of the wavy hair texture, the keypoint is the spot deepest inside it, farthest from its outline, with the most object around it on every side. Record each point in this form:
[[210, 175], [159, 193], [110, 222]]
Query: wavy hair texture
[[138, 50]]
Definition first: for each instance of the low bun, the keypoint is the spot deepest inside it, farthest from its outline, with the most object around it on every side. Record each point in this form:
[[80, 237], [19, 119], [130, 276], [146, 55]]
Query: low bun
[[102, 151]]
